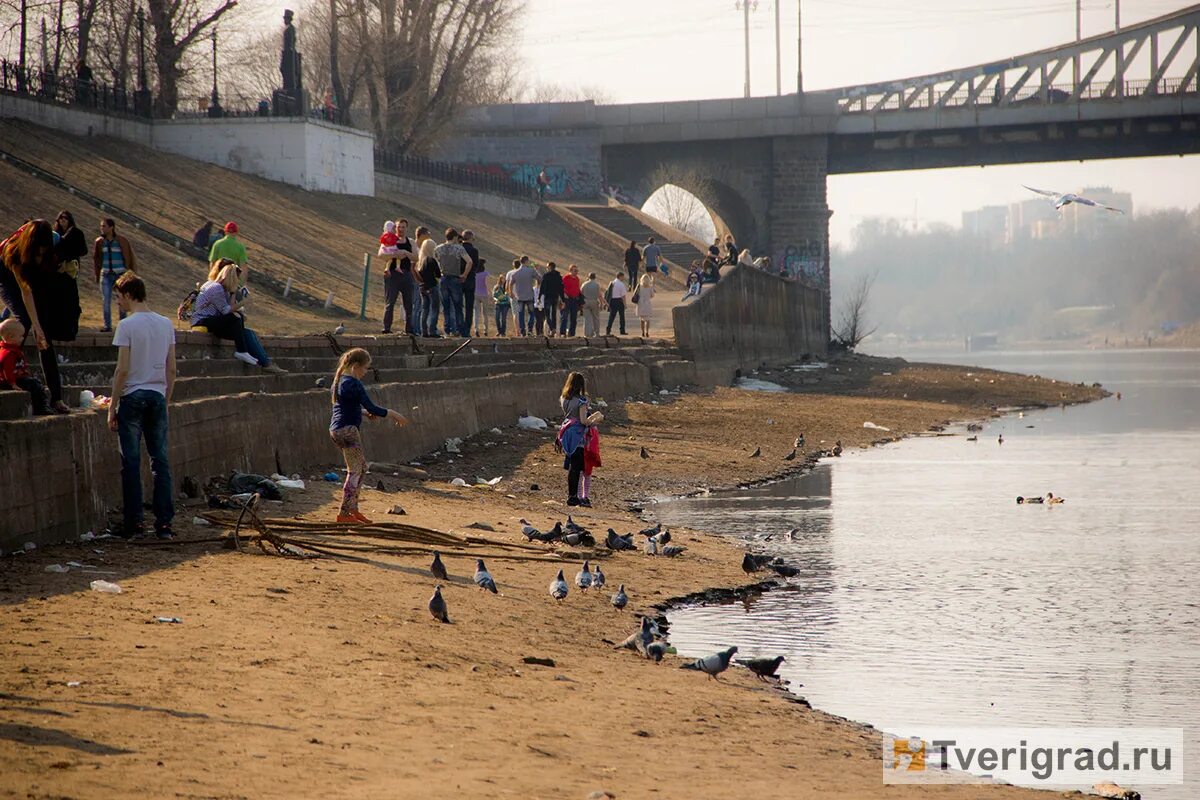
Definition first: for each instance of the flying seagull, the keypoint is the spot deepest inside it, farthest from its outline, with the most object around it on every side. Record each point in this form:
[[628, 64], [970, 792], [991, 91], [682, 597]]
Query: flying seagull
[[1061, 200]]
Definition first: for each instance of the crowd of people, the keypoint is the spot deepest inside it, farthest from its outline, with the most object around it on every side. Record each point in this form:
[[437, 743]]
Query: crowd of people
[[449, 278]]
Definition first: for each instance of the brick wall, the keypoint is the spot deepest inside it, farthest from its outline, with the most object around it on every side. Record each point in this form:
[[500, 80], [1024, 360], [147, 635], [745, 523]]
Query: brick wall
[[571, 158]]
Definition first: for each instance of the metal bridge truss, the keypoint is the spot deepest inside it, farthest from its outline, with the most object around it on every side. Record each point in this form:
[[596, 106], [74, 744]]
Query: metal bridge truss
[[1104, 67]]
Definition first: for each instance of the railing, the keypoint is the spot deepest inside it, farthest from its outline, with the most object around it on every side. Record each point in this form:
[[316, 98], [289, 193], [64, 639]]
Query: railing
[[71, 90], [448, 172]]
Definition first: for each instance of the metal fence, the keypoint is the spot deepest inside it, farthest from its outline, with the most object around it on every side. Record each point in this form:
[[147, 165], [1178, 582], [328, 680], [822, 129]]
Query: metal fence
[[447, 172], [70, 90]]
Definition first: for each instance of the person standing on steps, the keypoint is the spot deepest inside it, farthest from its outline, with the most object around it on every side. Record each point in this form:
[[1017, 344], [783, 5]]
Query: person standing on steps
[[520, 290], [430, 274], [633, 259], [645, 303], [456, 265], [34, 290], [417, 308], [229, 246], [652, 255], [614, 295], [470, 285], [112, 256], [590, 297], [551, 287], [570, 303], [141, 391], [391, 276]]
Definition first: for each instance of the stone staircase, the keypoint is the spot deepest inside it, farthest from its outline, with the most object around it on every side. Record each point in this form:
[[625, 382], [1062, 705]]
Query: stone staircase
[[207, 369], [629, 228]]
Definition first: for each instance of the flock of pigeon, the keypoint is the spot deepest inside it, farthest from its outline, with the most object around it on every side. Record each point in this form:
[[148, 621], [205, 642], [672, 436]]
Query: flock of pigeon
[[647, 640]]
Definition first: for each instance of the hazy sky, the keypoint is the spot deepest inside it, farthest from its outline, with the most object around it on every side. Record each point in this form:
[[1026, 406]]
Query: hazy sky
[[637, 51]]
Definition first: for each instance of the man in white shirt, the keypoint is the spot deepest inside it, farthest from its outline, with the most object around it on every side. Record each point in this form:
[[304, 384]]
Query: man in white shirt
[[141, 390], [615, 295]]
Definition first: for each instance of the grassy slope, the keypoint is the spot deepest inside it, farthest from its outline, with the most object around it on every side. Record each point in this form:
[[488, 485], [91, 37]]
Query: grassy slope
[[317, 238]]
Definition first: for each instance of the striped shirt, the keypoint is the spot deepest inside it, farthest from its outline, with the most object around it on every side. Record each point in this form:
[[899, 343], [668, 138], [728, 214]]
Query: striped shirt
[[112, 260], [213, 301]]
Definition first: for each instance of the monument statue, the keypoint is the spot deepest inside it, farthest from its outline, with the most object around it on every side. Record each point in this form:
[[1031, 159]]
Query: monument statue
[[290, 100]]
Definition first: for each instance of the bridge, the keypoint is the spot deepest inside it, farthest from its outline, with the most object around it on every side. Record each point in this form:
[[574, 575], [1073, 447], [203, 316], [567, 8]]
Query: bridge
[[1132, 92]]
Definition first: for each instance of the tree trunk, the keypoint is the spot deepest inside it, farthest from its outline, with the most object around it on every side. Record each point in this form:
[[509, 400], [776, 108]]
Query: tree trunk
[[340, 101]]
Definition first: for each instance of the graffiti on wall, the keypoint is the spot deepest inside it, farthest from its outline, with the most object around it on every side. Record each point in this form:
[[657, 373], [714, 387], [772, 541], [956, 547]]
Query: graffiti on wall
[[805, 260], [560, 182]]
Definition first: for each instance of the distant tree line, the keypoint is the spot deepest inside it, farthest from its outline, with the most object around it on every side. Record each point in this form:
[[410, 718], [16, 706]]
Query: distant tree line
[[944, 283]]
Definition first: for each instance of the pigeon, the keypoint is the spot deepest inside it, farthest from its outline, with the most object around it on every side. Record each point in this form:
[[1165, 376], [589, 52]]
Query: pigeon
[[645, 453], [753, 563], [483, 578], [617, 542], [597, 578], [339, 330], [583, 578], [713, 665], [657, 650], [579, 537], [653, 530], [640, 638], [558, 587], [783, 570], [651, 547], [556, 532], [1061, 200], [792, 534], [437, 567], [573, 527], [671, 550], [437, 606], [799, 443], [837, 448], [663, 537], [790, 456], [757, 452], [620, 599], [764, 668], [528, 529]]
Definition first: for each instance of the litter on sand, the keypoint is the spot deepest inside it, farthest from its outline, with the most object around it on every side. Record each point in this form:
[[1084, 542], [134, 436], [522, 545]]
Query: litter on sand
[[57, 568], [532, 423], [481, 482], [169, 620], [106, 587], [200, 522], [458, 482], [757, 385], [331, 476], [875, 427], [454, 445]]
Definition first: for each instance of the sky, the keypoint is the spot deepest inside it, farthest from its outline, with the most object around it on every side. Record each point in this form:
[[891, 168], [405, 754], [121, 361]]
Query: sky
[[638, 51]]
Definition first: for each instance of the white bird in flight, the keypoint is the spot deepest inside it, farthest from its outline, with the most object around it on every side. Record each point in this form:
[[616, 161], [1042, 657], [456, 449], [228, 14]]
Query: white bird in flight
[[1061, 200]]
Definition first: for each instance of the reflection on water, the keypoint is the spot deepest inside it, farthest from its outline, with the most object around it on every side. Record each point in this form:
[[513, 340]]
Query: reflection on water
[[928, 597]]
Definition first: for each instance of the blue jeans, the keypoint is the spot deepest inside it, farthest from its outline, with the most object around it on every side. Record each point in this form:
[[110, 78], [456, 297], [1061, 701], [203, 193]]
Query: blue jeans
[[255, 348], [430, 300], [525, 317], [144, 412], [107, 281], [452, 304], [416, 319], [570, 316], [502, 320]]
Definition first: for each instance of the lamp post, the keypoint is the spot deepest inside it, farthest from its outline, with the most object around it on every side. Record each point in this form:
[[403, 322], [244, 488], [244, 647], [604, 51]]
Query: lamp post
[[746, 6], [214, 105], [800, 47], [141, 98]]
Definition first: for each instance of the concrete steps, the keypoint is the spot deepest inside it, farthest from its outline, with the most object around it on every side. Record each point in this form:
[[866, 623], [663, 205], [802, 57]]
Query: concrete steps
[[629, 228]]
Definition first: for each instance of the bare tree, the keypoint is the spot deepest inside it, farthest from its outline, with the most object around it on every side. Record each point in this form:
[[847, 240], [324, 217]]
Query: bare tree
[[561, 93], [679, 197], [853, 328], [178, 24]]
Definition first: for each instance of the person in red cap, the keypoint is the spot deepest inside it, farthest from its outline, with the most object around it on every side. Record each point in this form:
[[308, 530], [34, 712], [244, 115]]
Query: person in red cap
[[229, 247]]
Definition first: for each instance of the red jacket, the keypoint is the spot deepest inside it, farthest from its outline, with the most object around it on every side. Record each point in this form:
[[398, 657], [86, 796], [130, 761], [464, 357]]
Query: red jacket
[[591, 450], [570, 285], [12, 364]]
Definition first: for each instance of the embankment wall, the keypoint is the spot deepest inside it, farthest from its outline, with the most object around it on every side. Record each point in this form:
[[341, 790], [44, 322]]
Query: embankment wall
[[750, 317], [60, 475]]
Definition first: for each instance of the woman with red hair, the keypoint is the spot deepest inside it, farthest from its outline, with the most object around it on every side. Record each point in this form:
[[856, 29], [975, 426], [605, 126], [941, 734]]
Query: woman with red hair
[[29, 280]]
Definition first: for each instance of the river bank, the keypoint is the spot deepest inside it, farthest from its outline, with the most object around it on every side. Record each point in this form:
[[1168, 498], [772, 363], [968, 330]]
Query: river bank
[[302, 678]]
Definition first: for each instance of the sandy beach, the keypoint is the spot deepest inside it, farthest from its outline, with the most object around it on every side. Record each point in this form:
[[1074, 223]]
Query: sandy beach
[[328, 678]]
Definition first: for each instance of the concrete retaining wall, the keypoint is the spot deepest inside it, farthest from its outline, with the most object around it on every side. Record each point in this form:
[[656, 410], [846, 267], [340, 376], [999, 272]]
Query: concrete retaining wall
[[304, 152], [387, 183], [59, 475], [750, 317], [571, 158]]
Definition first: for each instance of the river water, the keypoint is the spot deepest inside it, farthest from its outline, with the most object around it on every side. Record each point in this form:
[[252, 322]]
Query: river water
[[928, 597]]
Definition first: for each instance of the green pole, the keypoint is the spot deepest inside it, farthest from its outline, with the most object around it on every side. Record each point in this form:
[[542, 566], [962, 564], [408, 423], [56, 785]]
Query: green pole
[[362, 311]]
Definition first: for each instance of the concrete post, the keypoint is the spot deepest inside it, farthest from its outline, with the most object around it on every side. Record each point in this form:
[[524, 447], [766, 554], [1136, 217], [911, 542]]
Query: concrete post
[[798, 221]]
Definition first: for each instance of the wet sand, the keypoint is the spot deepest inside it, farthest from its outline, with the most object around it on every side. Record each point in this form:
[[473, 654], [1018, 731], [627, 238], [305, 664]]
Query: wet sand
[[307, 678]]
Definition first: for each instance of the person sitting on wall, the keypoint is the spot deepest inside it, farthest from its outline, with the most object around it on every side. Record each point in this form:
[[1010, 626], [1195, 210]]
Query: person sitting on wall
[[14, 373], [216, 310], [694, 280], [710, 271]]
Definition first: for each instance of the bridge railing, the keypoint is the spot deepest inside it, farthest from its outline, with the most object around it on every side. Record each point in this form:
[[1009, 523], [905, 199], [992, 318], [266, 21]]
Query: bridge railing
[[448, 172], [1100, 68]]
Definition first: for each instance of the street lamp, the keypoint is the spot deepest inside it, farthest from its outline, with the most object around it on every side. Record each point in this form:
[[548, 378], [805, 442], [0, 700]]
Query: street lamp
[[746, 6], [214, 105]]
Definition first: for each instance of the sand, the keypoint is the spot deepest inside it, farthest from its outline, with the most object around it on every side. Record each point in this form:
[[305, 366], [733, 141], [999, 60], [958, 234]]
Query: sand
[[327, 678]]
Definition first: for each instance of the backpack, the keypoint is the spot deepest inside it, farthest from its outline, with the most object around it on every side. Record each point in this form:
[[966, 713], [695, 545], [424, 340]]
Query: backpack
[[608, 294], [184, 312]]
